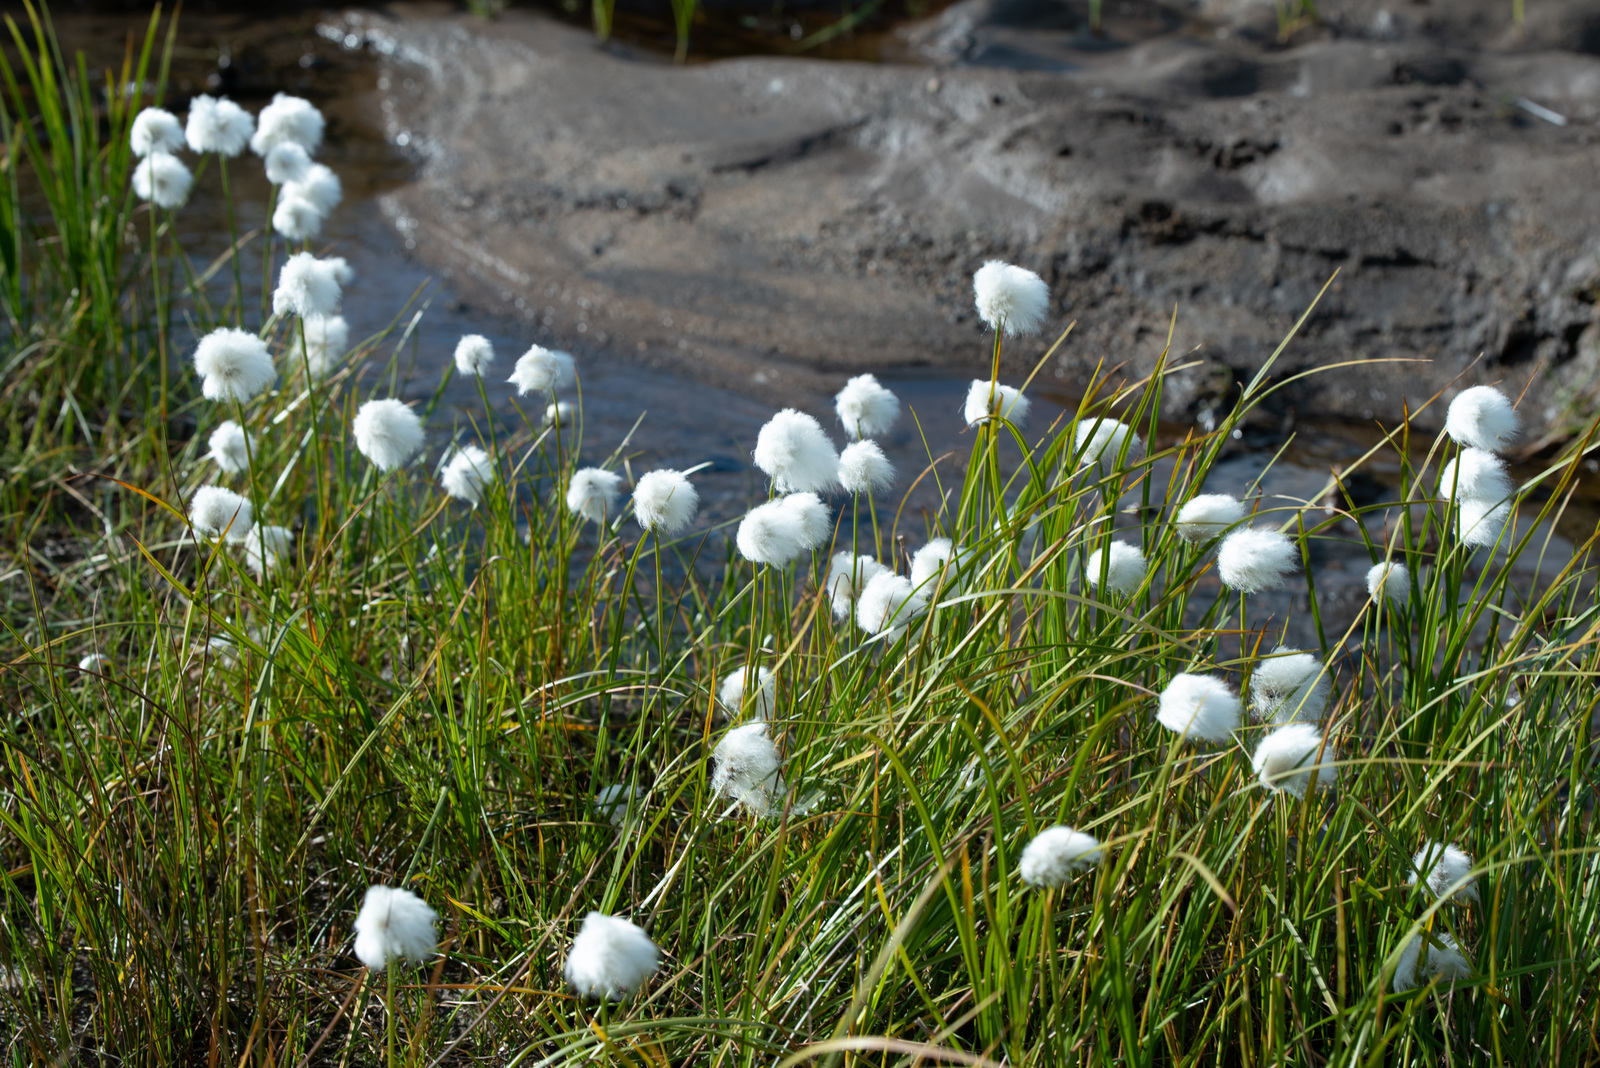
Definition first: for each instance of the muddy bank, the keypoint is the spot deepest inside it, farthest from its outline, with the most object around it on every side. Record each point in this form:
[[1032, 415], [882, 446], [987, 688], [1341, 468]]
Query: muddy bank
[[772, 222]]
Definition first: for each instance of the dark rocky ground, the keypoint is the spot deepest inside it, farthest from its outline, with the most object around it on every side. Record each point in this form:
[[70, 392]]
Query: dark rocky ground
[[767, 223]]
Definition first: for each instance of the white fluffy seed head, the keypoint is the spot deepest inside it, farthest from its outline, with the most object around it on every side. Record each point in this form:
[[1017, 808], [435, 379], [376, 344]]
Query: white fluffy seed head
[[1207, 516], [1482, 418], [1445, 962], [266, 547], [1058, 853], [1445, 870], [319, 185], [813, 520], [343, 273], [387, 432], [864, 469], [287, 118], [163, 180], [296, 218], [155, 130], [988, 399], [1290, 687], [610, 959], [474, 354], [1100, 441], [394, 925], [307, 287], [748, 768], [887, 603], [593, 494], [1389, 579], [929, 562], [1198, 708], [466, 473], [1010, 298], [287, 162], [217, 124], [664, 501], [541, 370], [794, 451], [769, 534], [735, 691], [233, 365], [1475, 475], [230, 447], [1287, 760], [327, 338], [1124, 569], [1253, 560], [216, 511], [558, 414], [848, 575], [866, 409], [95, 662], [1483, 522]]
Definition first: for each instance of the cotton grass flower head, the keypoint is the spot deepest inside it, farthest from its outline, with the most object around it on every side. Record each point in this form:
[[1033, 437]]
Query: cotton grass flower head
[[610, 959], [812, 518], [593, 493], [1100, 441], [1058, 853], [287, 162], [929, 562], [296, 218], [320, 186], [95, 662], [990, 399], [736, 690], [541, 370], [1124, 571], [1287, 760], [1389, 580], [1198, 708], [848, 575], [217, 124], [866, 409], [307, 287], [558, 414], [233, 365], [394, 925], [155, 130], [216, 510], [230, 447], [343, 273], [474, 354], [1010, 298], [287, 118], [748, 768], [1445, 870], [664, 501], [1251, 560], [1483, 523], [1290, 687], [1445, 962], [770, 534], [327, 337], [887, 603], [1207, 516], [864, 469], [163, 180], [465, 473], [266, 547], [1481, 417], [794, 451], [387, 432], [1475, 475]]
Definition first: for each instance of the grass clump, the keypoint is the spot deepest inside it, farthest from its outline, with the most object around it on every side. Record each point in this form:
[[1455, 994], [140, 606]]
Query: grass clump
[[934, 818]]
